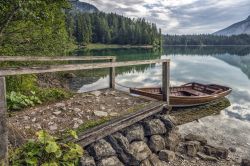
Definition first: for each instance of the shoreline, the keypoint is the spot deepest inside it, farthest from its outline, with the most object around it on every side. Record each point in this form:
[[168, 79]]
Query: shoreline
[[98, 46]]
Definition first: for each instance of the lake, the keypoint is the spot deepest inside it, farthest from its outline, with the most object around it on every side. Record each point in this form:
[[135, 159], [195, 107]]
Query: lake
[[228, 66]]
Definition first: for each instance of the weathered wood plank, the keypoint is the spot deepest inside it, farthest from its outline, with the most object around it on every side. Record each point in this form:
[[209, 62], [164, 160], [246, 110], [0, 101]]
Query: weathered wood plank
[[112, 75], [61, 58], [3, 124], [165, 81], [115, 125], [54, 68]]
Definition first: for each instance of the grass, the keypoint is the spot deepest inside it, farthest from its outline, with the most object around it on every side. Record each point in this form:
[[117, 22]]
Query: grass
[[97, 46], [92, 123]]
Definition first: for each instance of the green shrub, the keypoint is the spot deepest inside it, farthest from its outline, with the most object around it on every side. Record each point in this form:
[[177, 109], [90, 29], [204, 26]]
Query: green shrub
[[46, 150], [53, 94], [17, 101]]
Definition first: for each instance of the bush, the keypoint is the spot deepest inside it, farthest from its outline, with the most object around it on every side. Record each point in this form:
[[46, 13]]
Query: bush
[[52, 94], [17, 101], [47, 151]]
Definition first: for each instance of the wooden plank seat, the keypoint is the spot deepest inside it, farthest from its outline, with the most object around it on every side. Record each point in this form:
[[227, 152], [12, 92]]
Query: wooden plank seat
[[194, 92]]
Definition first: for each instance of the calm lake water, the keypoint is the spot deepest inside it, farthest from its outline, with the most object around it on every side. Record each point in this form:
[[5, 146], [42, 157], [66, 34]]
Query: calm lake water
[[228, 66]]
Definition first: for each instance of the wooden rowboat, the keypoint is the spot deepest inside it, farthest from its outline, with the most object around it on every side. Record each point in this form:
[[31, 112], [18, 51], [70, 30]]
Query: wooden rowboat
[[190, 94]]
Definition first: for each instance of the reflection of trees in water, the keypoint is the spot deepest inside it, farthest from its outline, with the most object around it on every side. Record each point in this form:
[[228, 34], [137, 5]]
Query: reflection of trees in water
[[121, 55], [242, 62], [207, 50]]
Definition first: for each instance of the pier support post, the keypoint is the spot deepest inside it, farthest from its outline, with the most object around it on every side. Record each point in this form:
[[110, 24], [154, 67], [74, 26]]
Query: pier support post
[[3, 125], [112, 74], [166, 81]]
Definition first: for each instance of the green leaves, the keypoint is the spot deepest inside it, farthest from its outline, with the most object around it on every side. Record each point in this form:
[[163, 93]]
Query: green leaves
[[47, 151], [17, 101], [51, 147]]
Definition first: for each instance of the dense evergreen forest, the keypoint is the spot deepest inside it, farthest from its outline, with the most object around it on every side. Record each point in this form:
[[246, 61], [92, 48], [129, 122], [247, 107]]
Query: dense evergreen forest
[[48, 27], [111, 28], [243, 39]]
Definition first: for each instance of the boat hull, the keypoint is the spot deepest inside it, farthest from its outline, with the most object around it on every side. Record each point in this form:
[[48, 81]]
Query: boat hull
[[184, 101]]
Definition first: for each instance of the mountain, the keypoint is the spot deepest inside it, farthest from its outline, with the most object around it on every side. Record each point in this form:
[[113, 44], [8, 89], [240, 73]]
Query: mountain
[[78, 6], [242, 27]]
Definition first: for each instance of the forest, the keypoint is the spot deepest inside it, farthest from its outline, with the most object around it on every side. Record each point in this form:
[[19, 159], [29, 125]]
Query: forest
[[243, 39], [49, 28], [111, 28]]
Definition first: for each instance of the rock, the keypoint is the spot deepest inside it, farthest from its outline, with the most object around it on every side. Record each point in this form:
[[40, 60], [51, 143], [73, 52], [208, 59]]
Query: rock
[[140, 150], [113, 114], [101, 149], [172, 140], [145, 163], [102, 107], [77, 110], [33, 120], [111, 161], [122, 141], [206, 157], [53, 127], [76, 125], [100, 113], [60, 105], [154, 160], [134, 133], [245, 162], [167, 155], [169, 121], [156, 143], [57, 112], [218, 152], [96, 93], [69, 75], [232, 149], [192, 137], [192, 148], [26, 118], [122, 147], [154, 127], [87, 161]]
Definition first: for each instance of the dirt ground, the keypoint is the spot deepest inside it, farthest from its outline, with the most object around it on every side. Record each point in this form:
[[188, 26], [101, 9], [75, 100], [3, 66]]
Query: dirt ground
[[74, 112]]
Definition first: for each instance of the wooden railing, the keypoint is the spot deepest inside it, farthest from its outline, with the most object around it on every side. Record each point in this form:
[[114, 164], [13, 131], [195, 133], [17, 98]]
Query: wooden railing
[[112, 64]]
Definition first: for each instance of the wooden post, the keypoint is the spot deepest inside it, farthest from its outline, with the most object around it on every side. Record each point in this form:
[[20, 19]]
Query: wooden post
[[166, 81], [3, 125], [112, 74]]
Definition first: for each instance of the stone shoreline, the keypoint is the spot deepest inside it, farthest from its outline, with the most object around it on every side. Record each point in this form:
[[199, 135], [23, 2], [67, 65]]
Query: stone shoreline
[[154, 142]]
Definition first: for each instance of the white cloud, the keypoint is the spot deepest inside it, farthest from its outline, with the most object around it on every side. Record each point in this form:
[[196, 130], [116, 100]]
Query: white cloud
[[180, 16]]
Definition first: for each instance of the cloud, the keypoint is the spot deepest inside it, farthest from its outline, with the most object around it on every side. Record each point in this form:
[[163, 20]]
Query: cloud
[[181, 16]]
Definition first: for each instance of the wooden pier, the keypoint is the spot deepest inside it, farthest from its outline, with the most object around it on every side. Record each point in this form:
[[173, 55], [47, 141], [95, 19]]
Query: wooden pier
[[111, 64]]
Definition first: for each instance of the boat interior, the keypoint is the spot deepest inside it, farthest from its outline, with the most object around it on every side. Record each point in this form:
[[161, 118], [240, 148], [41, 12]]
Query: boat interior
[[191, 89]]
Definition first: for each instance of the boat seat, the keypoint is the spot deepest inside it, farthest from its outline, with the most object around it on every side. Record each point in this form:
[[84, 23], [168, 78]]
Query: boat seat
[[194, 92]]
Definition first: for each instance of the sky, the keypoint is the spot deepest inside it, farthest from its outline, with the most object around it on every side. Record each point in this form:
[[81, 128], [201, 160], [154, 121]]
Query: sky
[[180, 16]]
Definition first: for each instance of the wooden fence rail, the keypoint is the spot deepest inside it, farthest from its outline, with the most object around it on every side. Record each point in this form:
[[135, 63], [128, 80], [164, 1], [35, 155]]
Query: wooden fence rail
[[60, 58], [112, 64]]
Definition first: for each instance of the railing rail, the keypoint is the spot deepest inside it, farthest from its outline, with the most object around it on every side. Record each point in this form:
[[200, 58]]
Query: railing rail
[[57, 58]]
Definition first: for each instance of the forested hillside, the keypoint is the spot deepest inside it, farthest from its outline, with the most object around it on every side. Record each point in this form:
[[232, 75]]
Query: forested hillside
[[111, 28], [50, 27], [206, 40]]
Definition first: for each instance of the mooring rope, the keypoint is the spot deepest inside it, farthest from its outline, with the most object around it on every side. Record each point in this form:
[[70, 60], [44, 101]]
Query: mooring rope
[[123, 85]]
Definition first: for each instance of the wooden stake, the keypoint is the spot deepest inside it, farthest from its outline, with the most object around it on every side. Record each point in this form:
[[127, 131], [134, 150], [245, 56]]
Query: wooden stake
[[3, 124], [112, 75], [166, 81]]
